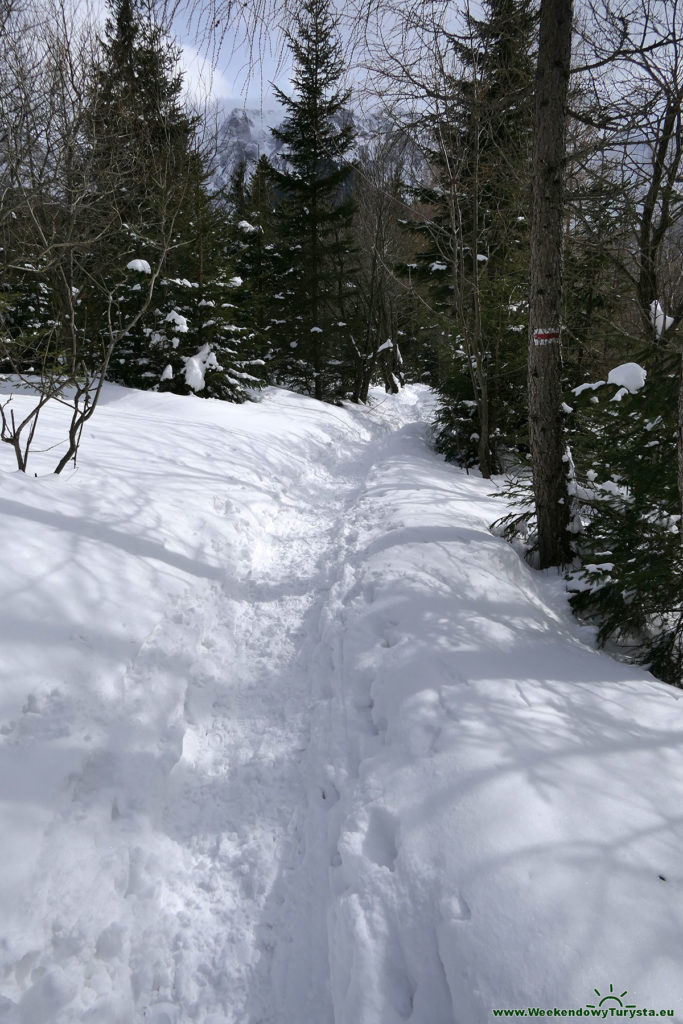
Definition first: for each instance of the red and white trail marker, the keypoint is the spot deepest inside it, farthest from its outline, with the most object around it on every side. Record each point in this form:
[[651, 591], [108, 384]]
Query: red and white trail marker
[[546, 336]]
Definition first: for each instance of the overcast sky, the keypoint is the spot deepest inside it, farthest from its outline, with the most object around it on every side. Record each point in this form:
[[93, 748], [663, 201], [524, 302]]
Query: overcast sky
[[230, 75], [221, 74]]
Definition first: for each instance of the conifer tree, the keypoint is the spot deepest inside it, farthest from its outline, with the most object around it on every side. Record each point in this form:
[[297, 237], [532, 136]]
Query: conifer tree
[[382, 306], [201, 340], [315, 210], [475, 261], [624, 442], [144, 170], [188, 340], [70, 220], [256, 257]]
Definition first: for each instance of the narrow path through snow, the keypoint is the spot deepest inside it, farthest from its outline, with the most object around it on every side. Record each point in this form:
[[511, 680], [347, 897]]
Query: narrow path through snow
[[247, 800], [246, 797], [176, 870], [218, 768]]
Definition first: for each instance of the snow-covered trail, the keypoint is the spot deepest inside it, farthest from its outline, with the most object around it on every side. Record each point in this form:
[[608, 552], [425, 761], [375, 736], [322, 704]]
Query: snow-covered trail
[[192, 820], [288, 737], [249, 795]]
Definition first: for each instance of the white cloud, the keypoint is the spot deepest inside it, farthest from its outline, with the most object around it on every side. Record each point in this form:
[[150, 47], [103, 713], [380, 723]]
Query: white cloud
[[201, 80]]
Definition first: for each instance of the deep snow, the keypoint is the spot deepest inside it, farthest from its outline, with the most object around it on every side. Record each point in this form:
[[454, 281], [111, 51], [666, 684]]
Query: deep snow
[[288, 737]]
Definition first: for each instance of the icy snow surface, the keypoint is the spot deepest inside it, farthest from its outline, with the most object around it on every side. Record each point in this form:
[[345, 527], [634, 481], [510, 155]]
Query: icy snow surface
[[288, 737]]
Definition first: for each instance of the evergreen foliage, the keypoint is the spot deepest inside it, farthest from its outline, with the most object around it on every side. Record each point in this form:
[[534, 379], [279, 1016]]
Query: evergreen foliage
[[311, 338], [25, 318], [188, 341], [631, 552], [200, 337], [145, 171], [476, 255], [255, 254], [379, 316]]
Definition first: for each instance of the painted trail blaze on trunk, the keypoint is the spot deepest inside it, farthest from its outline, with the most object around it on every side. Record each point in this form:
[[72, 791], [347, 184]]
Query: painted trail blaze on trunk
[[546, 428], [546, 336]]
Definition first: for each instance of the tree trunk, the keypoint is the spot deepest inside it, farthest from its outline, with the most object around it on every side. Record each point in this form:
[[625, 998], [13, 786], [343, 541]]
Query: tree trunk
[[545, 300], [484, 444], [680, 446]]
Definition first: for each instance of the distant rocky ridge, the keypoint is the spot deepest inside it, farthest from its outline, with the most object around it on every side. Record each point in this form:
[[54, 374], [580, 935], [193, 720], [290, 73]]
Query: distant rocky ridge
[[244, 134]]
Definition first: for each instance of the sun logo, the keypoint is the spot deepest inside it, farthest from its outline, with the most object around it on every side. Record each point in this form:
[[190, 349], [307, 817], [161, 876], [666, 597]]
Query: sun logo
[[611, 997]]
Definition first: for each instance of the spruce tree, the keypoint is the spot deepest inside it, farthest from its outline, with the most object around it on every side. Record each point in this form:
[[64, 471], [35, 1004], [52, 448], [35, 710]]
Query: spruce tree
[[154, 176], [255, 255], [315, 211], [202, 342], [624, 445], [507, 39], [474, 264], [381, 314], [143, 165]]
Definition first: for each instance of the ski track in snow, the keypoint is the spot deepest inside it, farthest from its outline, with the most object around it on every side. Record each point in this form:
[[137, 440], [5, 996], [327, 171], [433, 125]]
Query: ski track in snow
[[342, 760]]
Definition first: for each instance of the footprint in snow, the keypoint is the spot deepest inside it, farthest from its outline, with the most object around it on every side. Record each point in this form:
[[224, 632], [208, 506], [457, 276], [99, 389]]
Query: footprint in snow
[[455, 908], [380, 844]]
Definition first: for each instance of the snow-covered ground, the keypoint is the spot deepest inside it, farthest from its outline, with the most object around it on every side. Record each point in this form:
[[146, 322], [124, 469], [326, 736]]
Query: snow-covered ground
[[288, 737]]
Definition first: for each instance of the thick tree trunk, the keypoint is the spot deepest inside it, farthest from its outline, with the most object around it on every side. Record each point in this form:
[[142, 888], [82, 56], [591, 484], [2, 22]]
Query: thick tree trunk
[[680, 446], [545, 300]]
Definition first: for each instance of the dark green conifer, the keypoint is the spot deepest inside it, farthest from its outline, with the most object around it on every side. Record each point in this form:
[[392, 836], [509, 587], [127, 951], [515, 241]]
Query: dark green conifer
[[476, 257], [630, 581], [143, 165], [255, 254], [203, 342], [314, 211]]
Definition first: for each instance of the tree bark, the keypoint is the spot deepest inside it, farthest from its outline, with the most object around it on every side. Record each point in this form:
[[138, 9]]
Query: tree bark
[[545, 299], [680, 445]]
